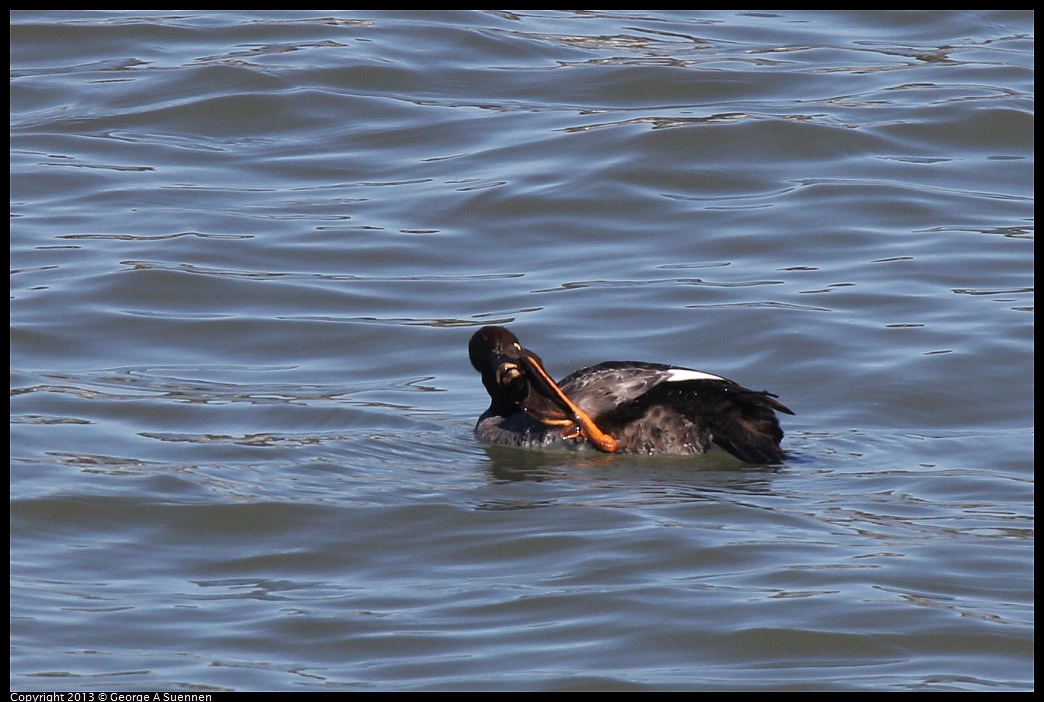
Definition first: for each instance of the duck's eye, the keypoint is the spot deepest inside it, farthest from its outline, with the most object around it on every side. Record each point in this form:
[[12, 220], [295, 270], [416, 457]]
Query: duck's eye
[[518, 346]]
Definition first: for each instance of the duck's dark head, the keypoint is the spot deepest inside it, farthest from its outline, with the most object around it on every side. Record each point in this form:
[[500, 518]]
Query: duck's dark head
[[510, 373], [491, 344], [517, 382]]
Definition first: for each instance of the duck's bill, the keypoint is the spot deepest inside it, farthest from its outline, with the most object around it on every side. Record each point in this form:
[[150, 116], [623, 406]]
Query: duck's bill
[[546, 403], [531, 392]]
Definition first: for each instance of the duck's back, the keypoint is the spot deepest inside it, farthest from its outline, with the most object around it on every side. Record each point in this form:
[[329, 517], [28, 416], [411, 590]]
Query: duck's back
[[656, 408]]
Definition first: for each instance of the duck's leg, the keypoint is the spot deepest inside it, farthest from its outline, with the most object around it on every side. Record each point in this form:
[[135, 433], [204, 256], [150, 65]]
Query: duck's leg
[[582, 423]]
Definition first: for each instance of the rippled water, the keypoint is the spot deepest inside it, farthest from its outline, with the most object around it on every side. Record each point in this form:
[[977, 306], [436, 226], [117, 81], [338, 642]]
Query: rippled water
[[248, 250]]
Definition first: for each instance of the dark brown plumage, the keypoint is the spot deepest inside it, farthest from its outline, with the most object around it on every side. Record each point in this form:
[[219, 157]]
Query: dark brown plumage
[[621, 406]]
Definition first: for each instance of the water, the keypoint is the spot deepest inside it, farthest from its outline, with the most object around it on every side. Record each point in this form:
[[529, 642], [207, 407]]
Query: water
[[248, 251]]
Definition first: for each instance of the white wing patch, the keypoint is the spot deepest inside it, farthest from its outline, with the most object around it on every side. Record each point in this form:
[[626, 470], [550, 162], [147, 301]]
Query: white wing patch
[[675, 375]]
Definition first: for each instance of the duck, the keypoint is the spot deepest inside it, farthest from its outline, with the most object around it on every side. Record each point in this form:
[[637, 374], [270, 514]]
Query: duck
[[620, 406]]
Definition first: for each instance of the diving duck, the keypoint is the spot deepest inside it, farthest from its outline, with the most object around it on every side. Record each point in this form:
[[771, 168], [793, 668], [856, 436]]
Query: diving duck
[[620, 406]]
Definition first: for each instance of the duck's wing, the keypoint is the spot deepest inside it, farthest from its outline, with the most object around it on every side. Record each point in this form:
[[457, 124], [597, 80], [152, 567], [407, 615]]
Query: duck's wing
[[602, 388], [629, 398]]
